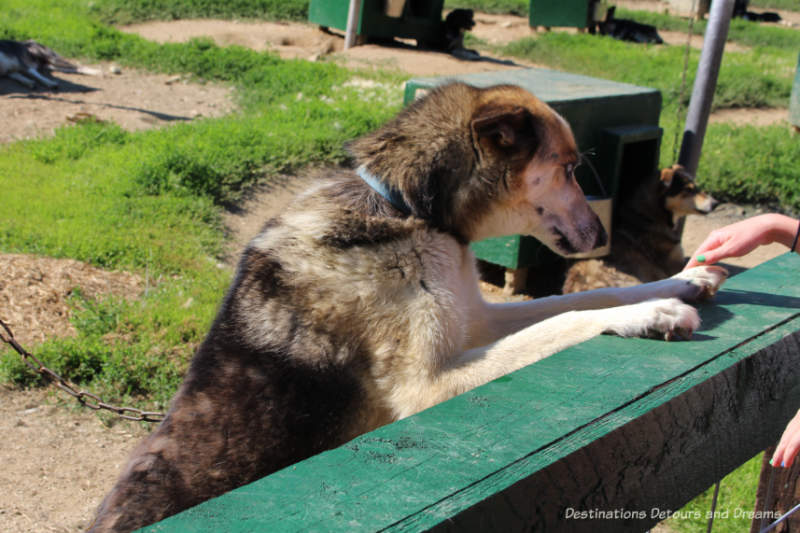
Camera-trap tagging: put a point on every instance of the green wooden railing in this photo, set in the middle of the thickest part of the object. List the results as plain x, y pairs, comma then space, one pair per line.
601, 436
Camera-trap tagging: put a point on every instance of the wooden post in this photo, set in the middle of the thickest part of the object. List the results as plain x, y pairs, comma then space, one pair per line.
515, 280
353, 16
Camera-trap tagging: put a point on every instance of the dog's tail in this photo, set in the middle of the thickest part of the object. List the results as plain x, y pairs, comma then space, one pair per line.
47, 57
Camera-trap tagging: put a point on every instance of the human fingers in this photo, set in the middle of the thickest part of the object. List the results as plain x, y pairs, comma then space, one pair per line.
789, 445
704, 254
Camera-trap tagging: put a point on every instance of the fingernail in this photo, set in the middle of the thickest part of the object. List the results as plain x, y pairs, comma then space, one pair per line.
770, 463
701, 259
783, 464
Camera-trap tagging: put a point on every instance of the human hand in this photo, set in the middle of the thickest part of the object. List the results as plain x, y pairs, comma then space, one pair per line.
742, 237
789, 445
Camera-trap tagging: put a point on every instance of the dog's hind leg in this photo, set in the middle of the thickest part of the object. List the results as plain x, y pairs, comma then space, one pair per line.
21, 78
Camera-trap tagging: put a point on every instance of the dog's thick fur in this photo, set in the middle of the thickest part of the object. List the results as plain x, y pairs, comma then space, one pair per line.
646, 239
27, 62
346, 314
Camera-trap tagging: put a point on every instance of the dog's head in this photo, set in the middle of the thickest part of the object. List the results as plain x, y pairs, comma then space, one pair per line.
460, 20
481, 163
681, 196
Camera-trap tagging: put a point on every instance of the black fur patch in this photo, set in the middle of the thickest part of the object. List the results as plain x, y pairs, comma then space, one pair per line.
350, 231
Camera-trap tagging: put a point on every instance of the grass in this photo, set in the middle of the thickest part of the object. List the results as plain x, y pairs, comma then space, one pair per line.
788, 5
743, 82
769, 178
735, 501
741, 31
521, 7
124, 12
514, 7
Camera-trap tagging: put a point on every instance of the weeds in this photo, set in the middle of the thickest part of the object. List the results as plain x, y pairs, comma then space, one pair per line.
124, 12
770, 176
742, 82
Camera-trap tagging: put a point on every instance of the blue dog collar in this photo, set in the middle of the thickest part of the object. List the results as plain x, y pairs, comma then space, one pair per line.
393, 196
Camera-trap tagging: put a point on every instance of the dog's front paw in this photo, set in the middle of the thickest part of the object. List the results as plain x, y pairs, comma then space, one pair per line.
699, 283
667, 318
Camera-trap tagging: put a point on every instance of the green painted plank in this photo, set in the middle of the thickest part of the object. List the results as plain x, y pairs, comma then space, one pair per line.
551, 86
559, 13
419, 471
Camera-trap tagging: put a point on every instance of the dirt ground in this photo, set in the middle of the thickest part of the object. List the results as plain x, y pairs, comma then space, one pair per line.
58, 460
133, 99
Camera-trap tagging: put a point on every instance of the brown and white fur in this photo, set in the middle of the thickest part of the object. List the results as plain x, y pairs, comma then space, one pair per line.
646, 239
27, 62
346, 314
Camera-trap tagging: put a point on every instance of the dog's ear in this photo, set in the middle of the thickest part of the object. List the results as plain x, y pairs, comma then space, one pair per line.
668, 175
507, 130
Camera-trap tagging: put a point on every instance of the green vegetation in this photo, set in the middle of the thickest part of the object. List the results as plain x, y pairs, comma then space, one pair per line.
752, 165
520, 7
741, 31
736, 498
124, 12
743, 82
788, 5
515, 7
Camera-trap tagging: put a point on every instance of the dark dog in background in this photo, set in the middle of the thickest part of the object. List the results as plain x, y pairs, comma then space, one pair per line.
740, 10
645, 242
628, 30
27, 62
451, 34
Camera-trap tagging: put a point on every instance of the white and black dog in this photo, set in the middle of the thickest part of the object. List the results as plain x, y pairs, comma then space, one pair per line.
27, 62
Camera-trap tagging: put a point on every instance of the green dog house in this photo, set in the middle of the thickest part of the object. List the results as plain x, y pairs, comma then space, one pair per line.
383, 19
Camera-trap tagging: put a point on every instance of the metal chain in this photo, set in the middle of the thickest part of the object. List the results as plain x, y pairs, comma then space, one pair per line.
87, 399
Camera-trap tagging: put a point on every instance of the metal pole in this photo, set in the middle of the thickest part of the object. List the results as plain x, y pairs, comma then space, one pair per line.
705, 83
353, 15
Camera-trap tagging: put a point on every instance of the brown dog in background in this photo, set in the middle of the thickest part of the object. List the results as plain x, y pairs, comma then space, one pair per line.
646, 239
359, 304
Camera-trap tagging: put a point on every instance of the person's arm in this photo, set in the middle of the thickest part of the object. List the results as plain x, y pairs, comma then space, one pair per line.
742, 237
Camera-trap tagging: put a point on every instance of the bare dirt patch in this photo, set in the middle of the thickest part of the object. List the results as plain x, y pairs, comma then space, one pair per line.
307, 41
58, 461
35, 292
133, 99
752, 117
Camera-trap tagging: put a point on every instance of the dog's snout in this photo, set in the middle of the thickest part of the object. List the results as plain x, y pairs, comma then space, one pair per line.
601, 239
